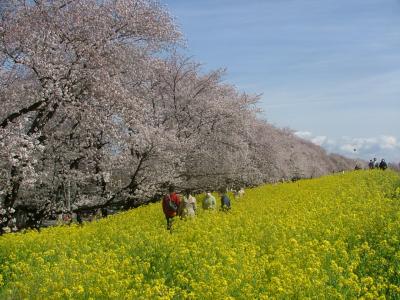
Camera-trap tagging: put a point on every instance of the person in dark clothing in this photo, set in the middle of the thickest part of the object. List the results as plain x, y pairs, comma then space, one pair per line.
170, 205
383, 164
225, 201
104, 212
371, 164
79, 217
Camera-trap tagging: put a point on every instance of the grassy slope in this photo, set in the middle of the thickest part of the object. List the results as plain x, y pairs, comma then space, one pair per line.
337, 236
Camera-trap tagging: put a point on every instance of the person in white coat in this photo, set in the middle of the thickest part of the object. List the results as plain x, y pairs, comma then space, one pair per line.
188, 205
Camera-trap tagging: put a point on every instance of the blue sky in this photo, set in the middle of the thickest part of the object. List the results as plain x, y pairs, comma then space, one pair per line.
329, 69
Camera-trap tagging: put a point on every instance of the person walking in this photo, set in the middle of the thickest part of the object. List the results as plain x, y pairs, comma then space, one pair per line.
238, 193
225, 201
383, 164
371, 164
170, 205
188, 205
376, 163
209, 202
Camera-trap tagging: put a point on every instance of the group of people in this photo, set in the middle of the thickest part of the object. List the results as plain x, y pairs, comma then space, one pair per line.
174, 206
374, 164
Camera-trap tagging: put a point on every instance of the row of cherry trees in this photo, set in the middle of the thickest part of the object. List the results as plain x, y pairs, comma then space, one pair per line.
99, 108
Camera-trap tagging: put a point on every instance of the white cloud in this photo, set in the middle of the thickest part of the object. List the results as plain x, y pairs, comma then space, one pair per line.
389, 142
384, 146
304, 134
319, 140
349, 148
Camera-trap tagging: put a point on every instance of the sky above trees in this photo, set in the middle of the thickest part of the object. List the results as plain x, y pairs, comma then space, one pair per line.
327, 69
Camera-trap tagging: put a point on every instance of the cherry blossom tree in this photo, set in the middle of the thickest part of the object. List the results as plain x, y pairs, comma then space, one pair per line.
210, 119
69, 70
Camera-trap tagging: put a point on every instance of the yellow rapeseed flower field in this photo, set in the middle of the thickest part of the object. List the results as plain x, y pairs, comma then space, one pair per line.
336, 237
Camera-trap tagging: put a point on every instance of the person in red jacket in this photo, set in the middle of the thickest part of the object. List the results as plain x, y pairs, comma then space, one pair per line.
170, 205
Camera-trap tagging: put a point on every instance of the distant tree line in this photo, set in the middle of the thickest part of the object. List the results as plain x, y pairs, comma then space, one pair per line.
99, 109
